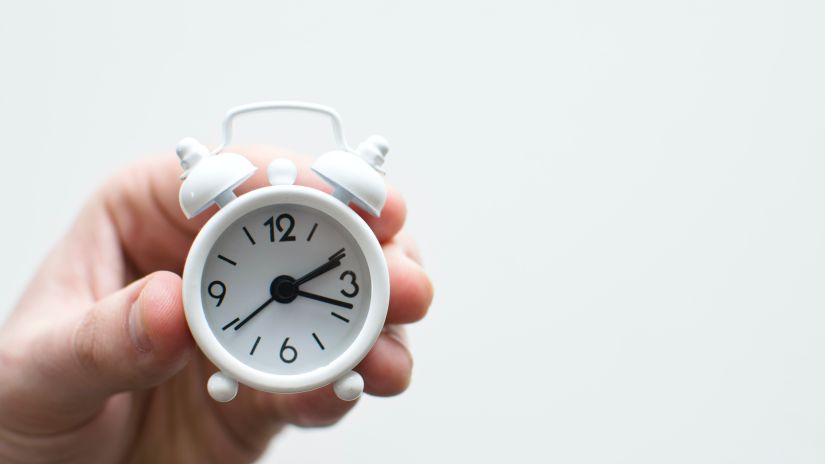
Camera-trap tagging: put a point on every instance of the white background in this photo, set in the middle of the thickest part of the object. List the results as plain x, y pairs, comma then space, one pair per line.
620, 203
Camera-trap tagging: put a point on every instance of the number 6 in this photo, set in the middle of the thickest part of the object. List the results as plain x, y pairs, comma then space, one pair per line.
285, 348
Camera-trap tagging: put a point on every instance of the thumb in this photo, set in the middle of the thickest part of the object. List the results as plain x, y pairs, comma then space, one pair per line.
133, 339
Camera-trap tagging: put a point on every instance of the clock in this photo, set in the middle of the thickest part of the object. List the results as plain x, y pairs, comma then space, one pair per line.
285, 288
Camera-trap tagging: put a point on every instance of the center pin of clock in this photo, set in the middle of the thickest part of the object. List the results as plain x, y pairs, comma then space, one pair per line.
283, 289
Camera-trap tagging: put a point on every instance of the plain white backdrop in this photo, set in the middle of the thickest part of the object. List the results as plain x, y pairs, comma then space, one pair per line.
621, 203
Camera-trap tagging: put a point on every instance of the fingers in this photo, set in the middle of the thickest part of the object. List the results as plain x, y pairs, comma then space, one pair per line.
411, 290
387, 369
142, 201
392, 216
316, 408
134, 339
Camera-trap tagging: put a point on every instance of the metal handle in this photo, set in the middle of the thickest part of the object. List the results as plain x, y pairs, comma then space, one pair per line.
337, 125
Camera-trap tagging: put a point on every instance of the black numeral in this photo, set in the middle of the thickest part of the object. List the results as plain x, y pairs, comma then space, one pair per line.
286, 237
271, 223
218, 295
355, 287
278, 224
286, 349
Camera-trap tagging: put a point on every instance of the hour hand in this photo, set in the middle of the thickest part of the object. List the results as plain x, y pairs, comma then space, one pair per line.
324, 299
333, 262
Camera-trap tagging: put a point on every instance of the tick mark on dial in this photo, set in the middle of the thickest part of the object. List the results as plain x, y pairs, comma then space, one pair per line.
224, 258
318, 340
340, 317
311, 232
231, 323
258, 340
248, 235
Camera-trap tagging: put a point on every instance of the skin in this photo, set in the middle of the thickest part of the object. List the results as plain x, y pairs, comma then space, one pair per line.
97, 363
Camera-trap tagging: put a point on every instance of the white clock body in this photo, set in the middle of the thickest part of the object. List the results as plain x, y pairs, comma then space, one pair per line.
304, 336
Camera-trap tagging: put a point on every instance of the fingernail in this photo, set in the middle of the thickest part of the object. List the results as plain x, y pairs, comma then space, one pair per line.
137, 330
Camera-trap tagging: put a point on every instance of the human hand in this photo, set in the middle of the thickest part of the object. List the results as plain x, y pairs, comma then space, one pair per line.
97, 363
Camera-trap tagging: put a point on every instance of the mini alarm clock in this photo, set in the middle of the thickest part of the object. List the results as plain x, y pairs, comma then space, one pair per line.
285, 288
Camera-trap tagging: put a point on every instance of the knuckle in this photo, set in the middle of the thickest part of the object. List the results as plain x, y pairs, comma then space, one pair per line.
86, 344
319, 418
429, 295
317, 409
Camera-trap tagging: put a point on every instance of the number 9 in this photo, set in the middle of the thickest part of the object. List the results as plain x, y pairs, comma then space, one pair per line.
217, 295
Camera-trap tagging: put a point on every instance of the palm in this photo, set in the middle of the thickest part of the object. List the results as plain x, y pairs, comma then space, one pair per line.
180, 423
163, 414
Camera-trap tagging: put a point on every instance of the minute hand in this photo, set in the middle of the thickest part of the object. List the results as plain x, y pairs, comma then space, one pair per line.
324, 299
334, 261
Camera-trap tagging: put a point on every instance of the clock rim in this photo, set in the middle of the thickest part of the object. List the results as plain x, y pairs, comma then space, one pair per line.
208, 341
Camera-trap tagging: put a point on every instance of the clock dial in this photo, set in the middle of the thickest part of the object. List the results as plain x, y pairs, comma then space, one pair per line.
285, 289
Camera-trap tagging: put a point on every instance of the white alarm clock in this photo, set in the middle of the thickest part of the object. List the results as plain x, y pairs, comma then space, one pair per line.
285, 288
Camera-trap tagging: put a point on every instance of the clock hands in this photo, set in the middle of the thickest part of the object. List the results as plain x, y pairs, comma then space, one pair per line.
324, 299
334, 261
254, 313
284, 289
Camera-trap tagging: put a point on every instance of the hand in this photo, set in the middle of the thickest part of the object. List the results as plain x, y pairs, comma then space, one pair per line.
97, 363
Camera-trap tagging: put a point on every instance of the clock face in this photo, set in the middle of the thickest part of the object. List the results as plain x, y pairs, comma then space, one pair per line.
285, 289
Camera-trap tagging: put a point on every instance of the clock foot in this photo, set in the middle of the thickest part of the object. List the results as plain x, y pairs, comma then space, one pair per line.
349, 387
222, 388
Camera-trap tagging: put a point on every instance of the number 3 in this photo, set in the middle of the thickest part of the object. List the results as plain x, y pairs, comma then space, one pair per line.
354, 290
